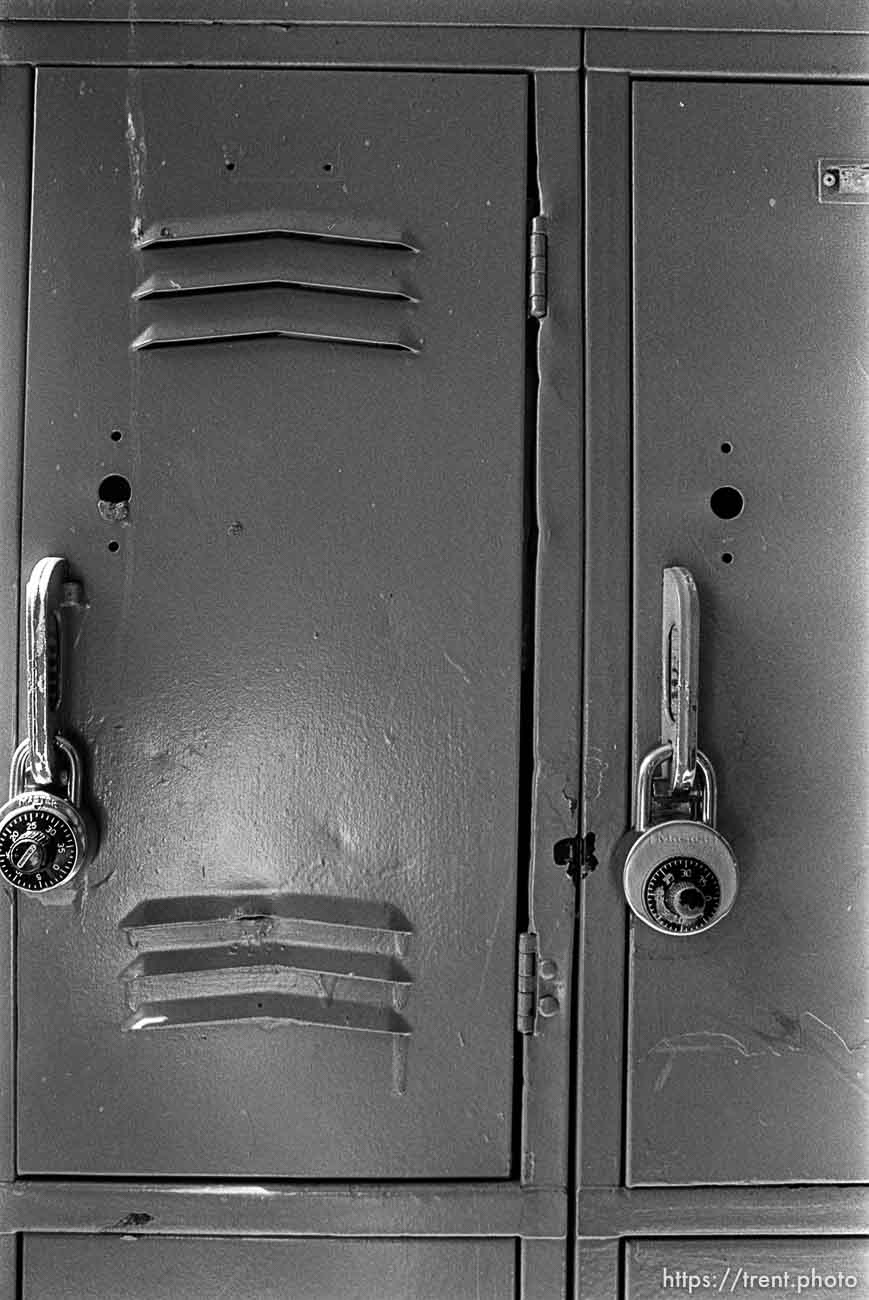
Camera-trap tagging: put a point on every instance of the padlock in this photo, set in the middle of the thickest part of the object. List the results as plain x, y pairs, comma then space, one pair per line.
680, 876
45, 838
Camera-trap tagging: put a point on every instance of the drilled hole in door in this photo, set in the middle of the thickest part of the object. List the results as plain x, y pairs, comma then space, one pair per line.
727, 502
115, 489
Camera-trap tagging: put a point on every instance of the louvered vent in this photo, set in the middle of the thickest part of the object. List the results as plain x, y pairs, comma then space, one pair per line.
334, 963
263, 276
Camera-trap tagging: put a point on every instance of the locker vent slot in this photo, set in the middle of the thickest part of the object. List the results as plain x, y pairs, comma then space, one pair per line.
326, 226
311, 277
313, 961
236, 1008
262, 263
277, 313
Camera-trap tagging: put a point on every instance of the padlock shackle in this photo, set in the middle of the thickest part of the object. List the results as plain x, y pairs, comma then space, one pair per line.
21, 762
655, 758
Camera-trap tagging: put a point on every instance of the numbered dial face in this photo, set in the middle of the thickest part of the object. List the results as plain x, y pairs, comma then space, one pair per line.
682, 894
38, 850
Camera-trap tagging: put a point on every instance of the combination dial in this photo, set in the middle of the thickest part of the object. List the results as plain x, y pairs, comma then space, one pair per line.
41, 843
38, 849
682, 894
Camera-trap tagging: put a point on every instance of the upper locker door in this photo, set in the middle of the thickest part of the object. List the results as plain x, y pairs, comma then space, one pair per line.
748, 1042
288, 309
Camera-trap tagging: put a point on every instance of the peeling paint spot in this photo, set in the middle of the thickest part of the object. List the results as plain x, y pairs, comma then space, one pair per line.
137, 151
595, 769
132, 1220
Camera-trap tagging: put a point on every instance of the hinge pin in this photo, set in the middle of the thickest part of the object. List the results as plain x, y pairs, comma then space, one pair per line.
526, 999
537, 267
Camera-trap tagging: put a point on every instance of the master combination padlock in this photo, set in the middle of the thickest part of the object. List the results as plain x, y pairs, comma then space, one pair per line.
45, 838
680, 876
46, 834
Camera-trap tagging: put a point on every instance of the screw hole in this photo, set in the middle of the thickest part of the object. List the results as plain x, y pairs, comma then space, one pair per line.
727, 558
114, 546
115, 489
229, 165
327, 167
727, 502
116, 435
726, 448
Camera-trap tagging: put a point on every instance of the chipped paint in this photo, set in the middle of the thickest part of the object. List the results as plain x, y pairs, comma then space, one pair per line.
595, 769
137, 151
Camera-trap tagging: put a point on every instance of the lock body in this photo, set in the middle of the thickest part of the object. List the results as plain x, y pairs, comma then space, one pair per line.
680, 876
45, 838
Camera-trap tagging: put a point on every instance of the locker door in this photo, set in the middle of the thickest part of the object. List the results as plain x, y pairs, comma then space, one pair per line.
835, 1267
151, 1268
748, 1043
282, 313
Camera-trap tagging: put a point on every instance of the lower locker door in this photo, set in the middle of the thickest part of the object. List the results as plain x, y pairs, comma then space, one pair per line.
282, 313
749, 1041
153, 1268
836, 1268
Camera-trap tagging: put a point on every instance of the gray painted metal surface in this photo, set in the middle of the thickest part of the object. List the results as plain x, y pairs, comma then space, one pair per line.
598, 1269
606, 795
748, 1044
16, 116
462, 1208
803, 1211
554, 479
767, 55
708, 15
607, 1211
142, 1268
249, 44
533, 1211
298, 677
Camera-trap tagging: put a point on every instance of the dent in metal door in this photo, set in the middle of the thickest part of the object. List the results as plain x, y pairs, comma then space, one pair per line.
748, 1043
287, 309
151, 1268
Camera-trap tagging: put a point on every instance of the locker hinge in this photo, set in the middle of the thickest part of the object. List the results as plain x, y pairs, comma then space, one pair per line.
526, 992
538, 285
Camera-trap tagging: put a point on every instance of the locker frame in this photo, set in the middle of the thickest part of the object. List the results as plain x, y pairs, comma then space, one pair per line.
692, 15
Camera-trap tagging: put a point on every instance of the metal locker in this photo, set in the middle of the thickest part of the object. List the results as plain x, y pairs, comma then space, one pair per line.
275, 423
151, 1268
748, 1045
369, 481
